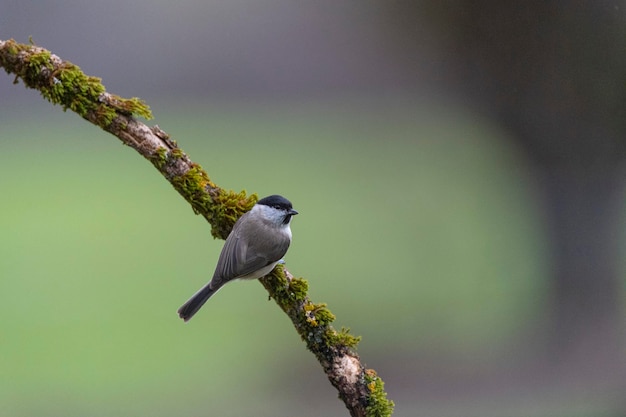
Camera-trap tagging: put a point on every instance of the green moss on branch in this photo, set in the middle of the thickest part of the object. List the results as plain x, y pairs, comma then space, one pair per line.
377, 405
61, 82
312, 321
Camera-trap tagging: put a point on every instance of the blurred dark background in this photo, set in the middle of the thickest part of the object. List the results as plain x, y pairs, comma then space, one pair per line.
459, 167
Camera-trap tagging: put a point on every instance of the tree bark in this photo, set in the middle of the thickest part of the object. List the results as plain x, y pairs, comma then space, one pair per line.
62, 82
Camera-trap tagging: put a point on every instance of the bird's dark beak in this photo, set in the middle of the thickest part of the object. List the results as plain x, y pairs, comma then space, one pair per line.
292, 212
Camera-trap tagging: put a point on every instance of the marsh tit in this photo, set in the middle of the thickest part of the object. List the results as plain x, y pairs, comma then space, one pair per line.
258, 241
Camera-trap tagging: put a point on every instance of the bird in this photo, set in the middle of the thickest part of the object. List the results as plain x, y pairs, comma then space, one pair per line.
258, 241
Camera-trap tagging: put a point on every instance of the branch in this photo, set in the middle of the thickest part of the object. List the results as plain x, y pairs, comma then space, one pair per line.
62, 82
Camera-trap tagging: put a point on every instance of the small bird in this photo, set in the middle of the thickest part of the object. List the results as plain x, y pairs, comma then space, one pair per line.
258, 241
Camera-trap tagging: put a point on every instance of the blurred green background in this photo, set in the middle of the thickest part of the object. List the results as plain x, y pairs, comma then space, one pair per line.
420, 227
420, 235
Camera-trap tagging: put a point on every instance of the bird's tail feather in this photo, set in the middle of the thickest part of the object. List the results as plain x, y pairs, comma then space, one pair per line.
192, 306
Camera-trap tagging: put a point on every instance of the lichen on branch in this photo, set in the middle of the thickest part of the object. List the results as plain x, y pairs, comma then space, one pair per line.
360, 389
63, 83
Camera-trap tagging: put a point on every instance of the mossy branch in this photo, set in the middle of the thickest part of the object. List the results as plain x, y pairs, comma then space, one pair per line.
63, 83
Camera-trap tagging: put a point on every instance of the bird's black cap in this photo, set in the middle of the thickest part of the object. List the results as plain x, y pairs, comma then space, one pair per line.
279, 202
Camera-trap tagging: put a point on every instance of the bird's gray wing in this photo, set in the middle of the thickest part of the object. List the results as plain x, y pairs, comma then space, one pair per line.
238, 258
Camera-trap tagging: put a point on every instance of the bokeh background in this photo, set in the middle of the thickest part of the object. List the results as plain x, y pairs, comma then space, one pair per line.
458, 167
